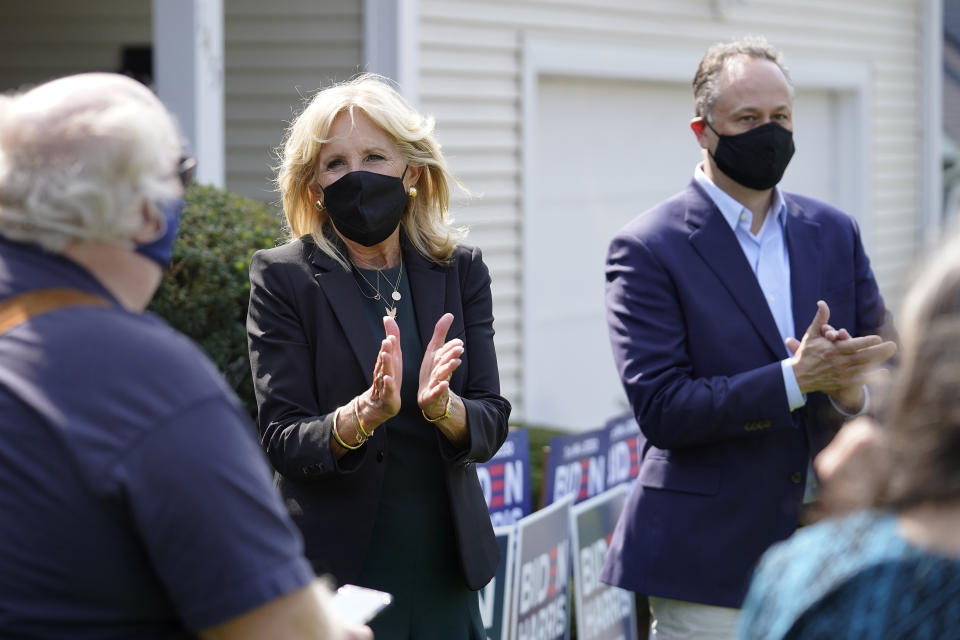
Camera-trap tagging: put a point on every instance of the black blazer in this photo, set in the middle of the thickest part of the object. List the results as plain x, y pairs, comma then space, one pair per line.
311, 352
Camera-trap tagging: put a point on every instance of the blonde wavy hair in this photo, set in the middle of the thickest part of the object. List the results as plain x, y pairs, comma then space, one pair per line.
426, 220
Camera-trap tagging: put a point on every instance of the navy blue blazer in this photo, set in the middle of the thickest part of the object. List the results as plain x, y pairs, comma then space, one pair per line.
699, 353
311, 352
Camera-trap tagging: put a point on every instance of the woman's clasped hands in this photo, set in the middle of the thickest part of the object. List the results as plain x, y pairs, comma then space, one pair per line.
381, 401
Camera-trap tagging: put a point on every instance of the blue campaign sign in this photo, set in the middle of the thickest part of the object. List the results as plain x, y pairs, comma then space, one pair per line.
624, 449
541, 582
505, 480
603, 612
576, 466
495, 598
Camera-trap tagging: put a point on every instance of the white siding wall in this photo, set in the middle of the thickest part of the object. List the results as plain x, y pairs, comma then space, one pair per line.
471, 64
43, 39
471, 79
276, 52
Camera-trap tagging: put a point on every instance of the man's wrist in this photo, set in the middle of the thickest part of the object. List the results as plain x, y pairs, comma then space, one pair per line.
795, 397
852, 403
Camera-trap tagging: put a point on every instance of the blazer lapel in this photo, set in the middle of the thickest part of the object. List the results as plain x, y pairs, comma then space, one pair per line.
803, 244
340, 289
716, 243
427, 286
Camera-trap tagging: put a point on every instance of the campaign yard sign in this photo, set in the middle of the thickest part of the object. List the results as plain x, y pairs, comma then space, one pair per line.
624, 449
576, 466
541, 583
603, 612
495, 598
505, 480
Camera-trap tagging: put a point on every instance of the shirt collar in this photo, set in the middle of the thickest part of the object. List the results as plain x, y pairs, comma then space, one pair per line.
729, 208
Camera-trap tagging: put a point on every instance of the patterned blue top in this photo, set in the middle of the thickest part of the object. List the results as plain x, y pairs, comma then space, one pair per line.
852, 578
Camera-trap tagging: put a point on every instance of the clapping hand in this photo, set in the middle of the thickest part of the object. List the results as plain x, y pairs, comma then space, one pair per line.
831, 361
383, 396
440, 360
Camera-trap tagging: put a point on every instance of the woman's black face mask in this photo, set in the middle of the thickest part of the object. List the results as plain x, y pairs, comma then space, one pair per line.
366, 207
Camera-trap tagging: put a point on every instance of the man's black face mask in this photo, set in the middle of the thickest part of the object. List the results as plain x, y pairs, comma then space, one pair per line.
756, 158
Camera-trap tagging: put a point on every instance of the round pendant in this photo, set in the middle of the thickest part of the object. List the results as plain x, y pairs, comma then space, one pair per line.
396, 296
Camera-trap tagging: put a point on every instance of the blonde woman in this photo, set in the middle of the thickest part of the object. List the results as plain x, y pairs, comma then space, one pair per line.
371, 345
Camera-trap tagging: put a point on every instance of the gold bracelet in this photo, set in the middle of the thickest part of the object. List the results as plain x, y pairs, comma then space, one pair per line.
336, 436
356, 414
446, 413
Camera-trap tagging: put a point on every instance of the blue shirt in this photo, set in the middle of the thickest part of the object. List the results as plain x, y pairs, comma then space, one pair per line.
767, 254
853, 578
769, 258
135, 500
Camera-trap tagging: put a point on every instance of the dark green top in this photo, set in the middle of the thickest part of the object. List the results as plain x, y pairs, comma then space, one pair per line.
413, 552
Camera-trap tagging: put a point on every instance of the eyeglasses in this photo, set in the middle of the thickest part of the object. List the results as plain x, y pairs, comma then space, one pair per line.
187, 170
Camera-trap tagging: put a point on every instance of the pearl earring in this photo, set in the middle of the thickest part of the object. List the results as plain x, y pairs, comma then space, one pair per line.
413, 192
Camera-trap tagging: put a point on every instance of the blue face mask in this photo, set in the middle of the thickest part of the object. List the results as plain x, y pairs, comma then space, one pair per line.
161, 249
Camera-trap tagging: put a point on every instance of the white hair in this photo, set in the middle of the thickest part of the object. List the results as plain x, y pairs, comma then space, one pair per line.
79, 158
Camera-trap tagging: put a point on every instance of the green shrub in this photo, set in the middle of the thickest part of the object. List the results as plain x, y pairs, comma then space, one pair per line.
204, 294
539, 438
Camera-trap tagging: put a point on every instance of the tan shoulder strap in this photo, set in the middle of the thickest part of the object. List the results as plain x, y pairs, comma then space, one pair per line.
19, 309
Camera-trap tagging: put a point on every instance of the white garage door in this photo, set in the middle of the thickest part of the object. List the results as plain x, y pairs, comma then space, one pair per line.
604, 151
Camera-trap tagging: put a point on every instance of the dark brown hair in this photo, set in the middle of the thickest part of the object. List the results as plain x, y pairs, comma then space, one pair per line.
705, 81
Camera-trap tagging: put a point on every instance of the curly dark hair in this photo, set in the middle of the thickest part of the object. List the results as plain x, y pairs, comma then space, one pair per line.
705, 89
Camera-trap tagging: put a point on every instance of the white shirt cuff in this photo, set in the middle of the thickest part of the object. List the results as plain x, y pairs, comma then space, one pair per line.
863, 409
795, 399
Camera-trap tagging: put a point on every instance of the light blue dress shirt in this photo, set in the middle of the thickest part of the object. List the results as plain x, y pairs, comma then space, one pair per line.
769, 259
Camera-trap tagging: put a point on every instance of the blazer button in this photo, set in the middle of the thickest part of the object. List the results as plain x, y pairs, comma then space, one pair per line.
380, 455
796, 477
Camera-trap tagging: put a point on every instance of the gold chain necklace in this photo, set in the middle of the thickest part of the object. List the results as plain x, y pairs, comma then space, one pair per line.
390, 309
